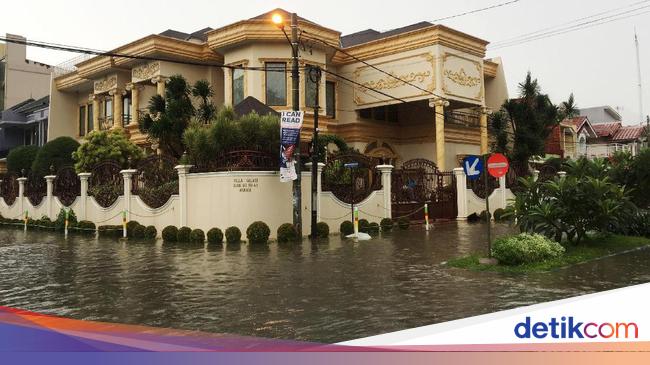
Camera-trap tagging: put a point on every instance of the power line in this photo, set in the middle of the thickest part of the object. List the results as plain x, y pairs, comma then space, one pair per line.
475, 11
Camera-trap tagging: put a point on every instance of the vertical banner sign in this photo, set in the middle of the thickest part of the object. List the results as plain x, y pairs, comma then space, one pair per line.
290, 124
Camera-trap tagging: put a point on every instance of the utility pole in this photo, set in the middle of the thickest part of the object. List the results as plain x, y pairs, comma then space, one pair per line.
295, 103
638, 73
315, 76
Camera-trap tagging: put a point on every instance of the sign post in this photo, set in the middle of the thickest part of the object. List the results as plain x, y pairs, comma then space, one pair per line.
290, 124
497, 165
351, 166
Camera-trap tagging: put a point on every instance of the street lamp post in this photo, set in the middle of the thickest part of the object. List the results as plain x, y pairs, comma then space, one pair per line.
315, 76
295, 103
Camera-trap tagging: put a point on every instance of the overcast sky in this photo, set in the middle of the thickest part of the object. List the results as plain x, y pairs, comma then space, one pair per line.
597, 64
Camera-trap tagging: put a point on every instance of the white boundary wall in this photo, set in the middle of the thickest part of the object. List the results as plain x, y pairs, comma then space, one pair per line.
207, 200
469, 203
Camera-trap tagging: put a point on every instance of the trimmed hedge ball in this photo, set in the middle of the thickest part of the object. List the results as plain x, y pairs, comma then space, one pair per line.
287, 233
215, 236
233, 235
170, 234
346, 228
150, 233
323, 229
197, 236
184, 234
258, 232
386, 224
404, 223
363, 225
130, 228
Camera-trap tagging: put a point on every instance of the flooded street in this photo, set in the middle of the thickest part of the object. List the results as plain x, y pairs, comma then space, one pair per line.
335, 291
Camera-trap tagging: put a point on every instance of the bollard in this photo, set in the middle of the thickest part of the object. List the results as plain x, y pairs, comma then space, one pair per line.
67, 215
426, 216
356, 221
124, 223
26, 219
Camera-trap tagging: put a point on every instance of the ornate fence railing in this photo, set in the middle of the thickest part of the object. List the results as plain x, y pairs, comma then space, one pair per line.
156, 180
478, 185
35, 188
351, 185
9, 188
66, 185
106, 183
239, 160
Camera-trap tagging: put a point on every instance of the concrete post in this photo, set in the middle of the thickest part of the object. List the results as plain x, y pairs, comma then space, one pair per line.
21, 195
319, 186
83, 211
502, 188
49, 180
461, 193
127, 175
183, 170
386, 183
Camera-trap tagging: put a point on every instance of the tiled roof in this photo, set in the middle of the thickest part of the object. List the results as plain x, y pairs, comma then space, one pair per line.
628, 133
369, 35
199, 34
251, 104
606, 129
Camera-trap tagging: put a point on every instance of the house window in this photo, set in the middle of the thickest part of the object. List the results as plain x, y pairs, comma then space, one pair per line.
89, 119
276, 83
82, 121
310, 88
330, 99
108, 108
381, 113
237, 86
126, 111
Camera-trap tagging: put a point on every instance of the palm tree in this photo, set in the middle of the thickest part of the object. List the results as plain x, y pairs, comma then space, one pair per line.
569, 108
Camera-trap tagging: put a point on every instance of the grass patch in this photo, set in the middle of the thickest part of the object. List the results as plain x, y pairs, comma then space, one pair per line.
591, 249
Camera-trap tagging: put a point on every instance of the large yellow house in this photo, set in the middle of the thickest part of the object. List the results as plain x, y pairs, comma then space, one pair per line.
427, 89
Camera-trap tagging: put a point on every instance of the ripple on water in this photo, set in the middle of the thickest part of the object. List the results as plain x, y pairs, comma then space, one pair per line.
335, 291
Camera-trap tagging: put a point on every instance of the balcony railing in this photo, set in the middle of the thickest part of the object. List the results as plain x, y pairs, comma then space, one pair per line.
105, 123
467, 119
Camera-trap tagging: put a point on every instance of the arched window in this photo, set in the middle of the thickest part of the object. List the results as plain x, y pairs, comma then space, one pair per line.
582, 143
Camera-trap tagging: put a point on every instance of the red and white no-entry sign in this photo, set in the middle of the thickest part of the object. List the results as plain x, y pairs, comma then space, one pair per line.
497, 165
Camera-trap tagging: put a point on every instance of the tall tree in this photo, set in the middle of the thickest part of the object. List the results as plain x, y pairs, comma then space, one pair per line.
568, 108
532, 117
206, 111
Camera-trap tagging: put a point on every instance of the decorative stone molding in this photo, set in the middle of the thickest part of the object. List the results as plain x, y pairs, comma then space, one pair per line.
102, 86
145, 72
438, 102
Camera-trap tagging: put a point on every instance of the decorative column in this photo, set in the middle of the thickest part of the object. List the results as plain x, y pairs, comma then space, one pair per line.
386, 184
461, 193
135, 103
118, 108
83, 178
49, 180
484, 129
439, 105
21, 194
159, 81
96, 112
183, 170
127, 175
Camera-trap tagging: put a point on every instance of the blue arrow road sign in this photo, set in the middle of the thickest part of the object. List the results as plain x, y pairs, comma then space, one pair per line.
473, 166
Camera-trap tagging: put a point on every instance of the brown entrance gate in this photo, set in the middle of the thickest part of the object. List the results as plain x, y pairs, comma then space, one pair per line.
419, 181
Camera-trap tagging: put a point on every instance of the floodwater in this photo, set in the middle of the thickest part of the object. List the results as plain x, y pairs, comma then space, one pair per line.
334, 291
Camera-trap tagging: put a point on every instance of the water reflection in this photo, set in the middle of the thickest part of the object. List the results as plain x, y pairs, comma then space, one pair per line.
331, 290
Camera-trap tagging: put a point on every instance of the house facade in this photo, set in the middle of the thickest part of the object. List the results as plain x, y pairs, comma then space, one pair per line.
601, 114
614, 137
421, 91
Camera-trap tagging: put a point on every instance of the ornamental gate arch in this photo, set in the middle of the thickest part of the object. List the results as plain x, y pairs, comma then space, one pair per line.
419, 182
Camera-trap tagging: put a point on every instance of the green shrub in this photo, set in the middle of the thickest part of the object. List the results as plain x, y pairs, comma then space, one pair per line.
258, 232
525, 249
403, 223
363, 225
484, 216
346, 228
184, 234
373, 229
56, 153
113, 231
46, 222
215, 236
323, 229
386, 224
85, 227
21, 158
130, 228
111, 145
150, 233
498, 215
138, 232
197, 236
59, 224
287, 233
170, 234
233, 235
